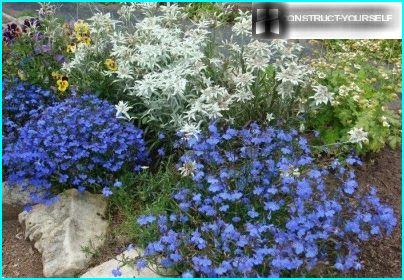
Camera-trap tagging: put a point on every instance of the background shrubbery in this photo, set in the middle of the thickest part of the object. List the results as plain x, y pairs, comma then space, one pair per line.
365, 78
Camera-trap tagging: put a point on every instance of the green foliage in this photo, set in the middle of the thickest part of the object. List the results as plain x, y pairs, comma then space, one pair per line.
35, 55
144, 193
200, 11
387, 50
22, 60
365, 84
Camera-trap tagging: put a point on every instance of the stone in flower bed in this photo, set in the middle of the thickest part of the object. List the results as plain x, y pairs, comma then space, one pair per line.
106, 269
61, 230
14, 199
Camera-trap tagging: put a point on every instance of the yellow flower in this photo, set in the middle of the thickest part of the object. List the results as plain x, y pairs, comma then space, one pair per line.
86, 40
62, 85
71, 48
82, 31
56, 75
111, 64
80, 27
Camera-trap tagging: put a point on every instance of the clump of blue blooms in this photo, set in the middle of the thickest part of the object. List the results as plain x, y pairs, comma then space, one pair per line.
259, 206
22, 101
78, 142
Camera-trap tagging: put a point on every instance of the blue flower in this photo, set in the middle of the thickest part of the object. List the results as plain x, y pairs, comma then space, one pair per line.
161, 152
141, 263
22, 102
253, 214
106, 191
117, 184
116, 272
350, 186
145, 219
187, 274
260, 206
78, 142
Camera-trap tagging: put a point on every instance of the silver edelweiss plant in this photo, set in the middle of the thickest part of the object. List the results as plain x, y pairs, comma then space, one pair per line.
176, 74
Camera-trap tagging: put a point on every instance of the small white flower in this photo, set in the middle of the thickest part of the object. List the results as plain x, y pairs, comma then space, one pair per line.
358, 135
190, 129
241, 79
385, 122
122, 109
321, 75
242, 25
302, 127
285, 89
291, 171
322, 95
270, 117
292, 73
188, 168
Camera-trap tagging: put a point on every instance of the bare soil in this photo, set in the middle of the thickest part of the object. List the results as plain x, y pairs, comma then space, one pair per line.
381, 258
20, 259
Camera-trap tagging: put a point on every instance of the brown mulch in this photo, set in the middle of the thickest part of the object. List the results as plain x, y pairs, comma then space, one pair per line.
381, 258
20, 259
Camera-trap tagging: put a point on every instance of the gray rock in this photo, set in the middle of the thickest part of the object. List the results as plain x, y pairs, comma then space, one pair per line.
104, 270
60, 231
14, 198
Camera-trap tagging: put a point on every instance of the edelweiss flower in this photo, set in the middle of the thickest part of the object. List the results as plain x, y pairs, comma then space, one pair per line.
259, 63
242, 26
358, 135
190, 129
292, 73
122, 110
188, 168
322, 95
124, 71
242, 80
285, 89
321, 75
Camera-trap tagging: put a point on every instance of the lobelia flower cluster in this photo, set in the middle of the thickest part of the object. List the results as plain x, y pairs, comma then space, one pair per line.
77, 142
22, 102
259, 207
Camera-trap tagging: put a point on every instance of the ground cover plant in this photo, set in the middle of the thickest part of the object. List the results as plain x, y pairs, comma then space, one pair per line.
222, 155
78, 142
23, 101
259, 206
